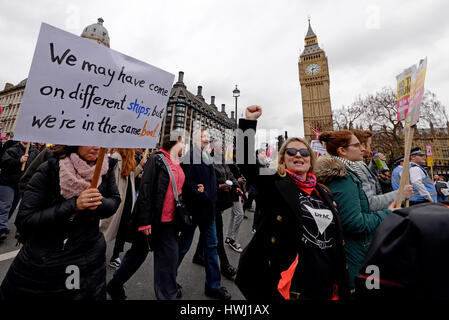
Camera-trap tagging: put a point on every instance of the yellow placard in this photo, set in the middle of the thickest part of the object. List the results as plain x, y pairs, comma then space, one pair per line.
429, 161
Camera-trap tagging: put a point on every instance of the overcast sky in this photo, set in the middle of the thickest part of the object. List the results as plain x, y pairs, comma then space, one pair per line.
253, 43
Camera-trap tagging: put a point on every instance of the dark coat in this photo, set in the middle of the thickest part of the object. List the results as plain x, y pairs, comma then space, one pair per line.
237, 174
56, 236
11, 167
277, 241
410, 250
6, 146
224, 198
200, 204
359, 222
150, 202
43, 156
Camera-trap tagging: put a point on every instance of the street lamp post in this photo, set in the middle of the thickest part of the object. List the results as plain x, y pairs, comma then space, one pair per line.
236, 94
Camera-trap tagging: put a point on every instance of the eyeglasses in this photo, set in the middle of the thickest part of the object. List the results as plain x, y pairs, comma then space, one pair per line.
352, 144
302, 152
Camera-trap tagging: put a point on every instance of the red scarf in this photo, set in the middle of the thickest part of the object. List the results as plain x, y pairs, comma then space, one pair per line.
307, 185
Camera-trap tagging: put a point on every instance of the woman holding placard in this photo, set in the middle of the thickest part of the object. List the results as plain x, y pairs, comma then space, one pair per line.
64, 253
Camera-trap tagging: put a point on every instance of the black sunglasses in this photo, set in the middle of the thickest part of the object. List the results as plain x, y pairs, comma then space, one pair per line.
293, 151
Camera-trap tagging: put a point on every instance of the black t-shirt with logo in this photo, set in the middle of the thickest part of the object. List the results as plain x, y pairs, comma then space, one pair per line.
314, 276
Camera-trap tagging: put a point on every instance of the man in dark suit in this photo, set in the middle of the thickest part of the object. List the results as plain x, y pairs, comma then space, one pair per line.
199, 172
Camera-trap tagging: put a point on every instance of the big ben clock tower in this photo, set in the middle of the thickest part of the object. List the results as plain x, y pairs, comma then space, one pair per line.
314, 80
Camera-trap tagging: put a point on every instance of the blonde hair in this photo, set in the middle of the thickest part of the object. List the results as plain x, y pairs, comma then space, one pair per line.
281, 154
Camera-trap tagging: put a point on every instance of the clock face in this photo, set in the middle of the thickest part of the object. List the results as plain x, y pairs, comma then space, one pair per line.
313, 69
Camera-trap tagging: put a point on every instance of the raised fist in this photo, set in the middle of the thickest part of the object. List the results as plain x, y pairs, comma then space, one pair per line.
253, 112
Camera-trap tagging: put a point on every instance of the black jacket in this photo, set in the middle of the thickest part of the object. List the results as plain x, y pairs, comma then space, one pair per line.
56, 236
150, 202
277, 241
410, 249
200, 204
440, 185
43, 156
11, 167
237, 174
224, 198
8, 144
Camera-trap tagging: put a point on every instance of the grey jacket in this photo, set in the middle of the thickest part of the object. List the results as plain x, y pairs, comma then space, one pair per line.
371, 187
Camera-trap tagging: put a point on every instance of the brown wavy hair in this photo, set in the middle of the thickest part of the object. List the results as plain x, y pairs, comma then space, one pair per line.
335, 139
281, 155
128, 161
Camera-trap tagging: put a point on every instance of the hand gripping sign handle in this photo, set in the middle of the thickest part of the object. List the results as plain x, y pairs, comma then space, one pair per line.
26, 153
98, 165
405, 177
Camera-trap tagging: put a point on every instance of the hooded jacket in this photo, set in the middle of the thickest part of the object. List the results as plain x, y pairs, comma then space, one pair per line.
359, 222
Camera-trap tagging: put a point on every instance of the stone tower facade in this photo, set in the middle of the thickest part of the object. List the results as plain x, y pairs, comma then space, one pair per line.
314, 80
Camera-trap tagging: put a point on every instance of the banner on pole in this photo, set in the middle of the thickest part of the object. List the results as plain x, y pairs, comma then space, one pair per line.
429, 155
81, 93
316, 146
403, 91
416, 93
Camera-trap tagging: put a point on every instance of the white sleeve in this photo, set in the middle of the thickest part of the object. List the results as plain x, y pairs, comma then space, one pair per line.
416, 177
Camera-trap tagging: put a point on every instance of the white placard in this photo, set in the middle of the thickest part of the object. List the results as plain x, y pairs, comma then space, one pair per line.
79, 92
318, 147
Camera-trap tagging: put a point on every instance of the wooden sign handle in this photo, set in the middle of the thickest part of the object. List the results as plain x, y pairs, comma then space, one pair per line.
405, 176
98, 165
26, 153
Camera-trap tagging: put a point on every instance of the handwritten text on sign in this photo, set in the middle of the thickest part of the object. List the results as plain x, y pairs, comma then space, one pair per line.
403, 91
81, 93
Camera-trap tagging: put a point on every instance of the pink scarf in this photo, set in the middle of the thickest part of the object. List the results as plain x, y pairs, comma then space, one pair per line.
75, 175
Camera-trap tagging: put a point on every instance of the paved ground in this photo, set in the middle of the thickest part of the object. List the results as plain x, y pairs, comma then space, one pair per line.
140, 287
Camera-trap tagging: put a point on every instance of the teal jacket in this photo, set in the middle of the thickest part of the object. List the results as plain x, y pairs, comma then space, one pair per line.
359, 222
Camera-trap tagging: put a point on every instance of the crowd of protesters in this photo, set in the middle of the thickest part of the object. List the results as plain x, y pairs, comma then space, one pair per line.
314, 219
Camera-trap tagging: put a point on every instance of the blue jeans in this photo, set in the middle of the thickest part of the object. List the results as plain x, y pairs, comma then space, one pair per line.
9, 198
209, 234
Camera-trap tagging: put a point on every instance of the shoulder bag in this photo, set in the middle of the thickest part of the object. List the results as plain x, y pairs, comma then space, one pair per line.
183, 218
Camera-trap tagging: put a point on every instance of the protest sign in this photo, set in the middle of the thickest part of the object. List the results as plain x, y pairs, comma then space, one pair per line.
81, 93
316, 146
429, 159
412, 117
429, 150
403, 91
416, 93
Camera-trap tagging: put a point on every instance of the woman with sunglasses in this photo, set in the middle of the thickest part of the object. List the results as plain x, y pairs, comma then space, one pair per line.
297, 250
338, 171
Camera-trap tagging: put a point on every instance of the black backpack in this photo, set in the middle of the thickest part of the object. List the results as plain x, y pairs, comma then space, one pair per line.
410, 250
